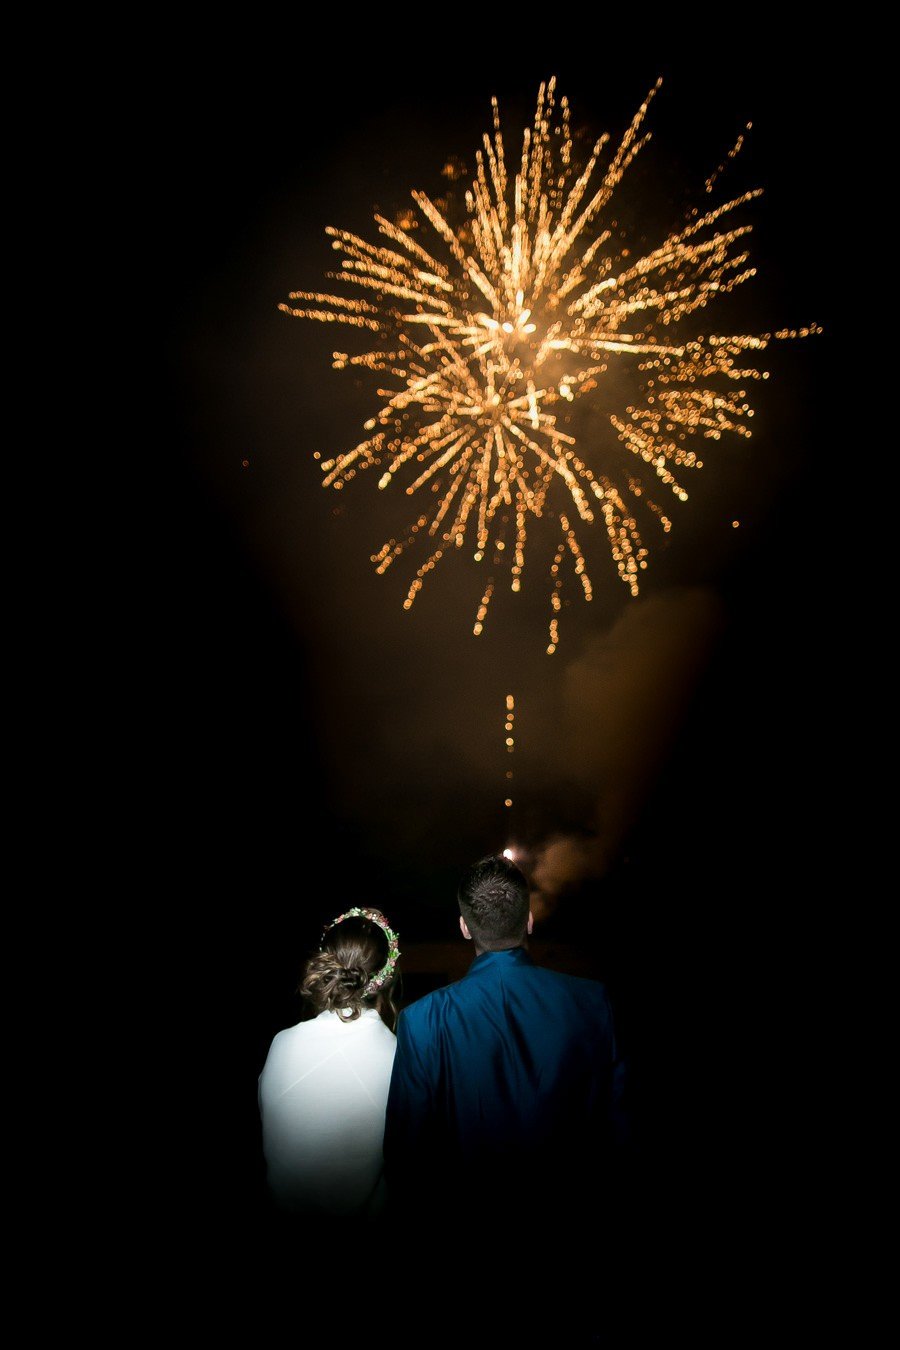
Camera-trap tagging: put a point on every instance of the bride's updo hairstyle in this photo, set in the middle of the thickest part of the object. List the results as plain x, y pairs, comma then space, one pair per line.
355, 967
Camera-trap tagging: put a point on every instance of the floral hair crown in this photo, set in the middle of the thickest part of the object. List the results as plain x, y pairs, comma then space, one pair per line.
381, 977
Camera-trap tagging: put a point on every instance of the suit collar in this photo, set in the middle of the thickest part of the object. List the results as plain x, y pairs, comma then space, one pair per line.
512, 956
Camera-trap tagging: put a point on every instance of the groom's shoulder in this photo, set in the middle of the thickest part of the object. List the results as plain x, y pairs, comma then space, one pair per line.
427, 1007
578, 991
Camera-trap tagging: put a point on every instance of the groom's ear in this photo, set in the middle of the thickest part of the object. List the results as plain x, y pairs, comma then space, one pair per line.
530, 921
464, 930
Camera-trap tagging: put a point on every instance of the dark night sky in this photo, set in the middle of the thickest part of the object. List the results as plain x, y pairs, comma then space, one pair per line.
311, 746
312, 705
314, 690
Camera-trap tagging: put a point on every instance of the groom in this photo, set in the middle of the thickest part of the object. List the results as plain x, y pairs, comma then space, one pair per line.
505, 1104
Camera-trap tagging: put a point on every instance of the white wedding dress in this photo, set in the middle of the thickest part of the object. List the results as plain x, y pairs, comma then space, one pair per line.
322, 1097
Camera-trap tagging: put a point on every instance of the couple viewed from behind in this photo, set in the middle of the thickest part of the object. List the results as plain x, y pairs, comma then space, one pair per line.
482, 1124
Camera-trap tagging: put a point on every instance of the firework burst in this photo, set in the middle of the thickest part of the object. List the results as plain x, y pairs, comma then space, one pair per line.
482, 341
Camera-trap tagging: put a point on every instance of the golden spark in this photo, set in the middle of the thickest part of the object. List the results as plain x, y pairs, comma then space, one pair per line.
482, 341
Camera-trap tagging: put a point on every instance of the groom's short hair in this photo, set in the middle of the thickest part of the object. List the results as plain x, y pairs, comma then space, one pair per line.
493, 900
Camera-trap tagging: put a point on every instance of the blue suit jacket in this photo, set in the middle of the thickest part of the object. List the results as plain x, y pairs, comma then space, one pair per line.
508, 1075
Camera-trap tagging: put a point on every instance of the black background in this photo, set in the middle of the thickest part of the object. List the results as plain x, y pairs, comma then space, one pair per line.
723, 964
